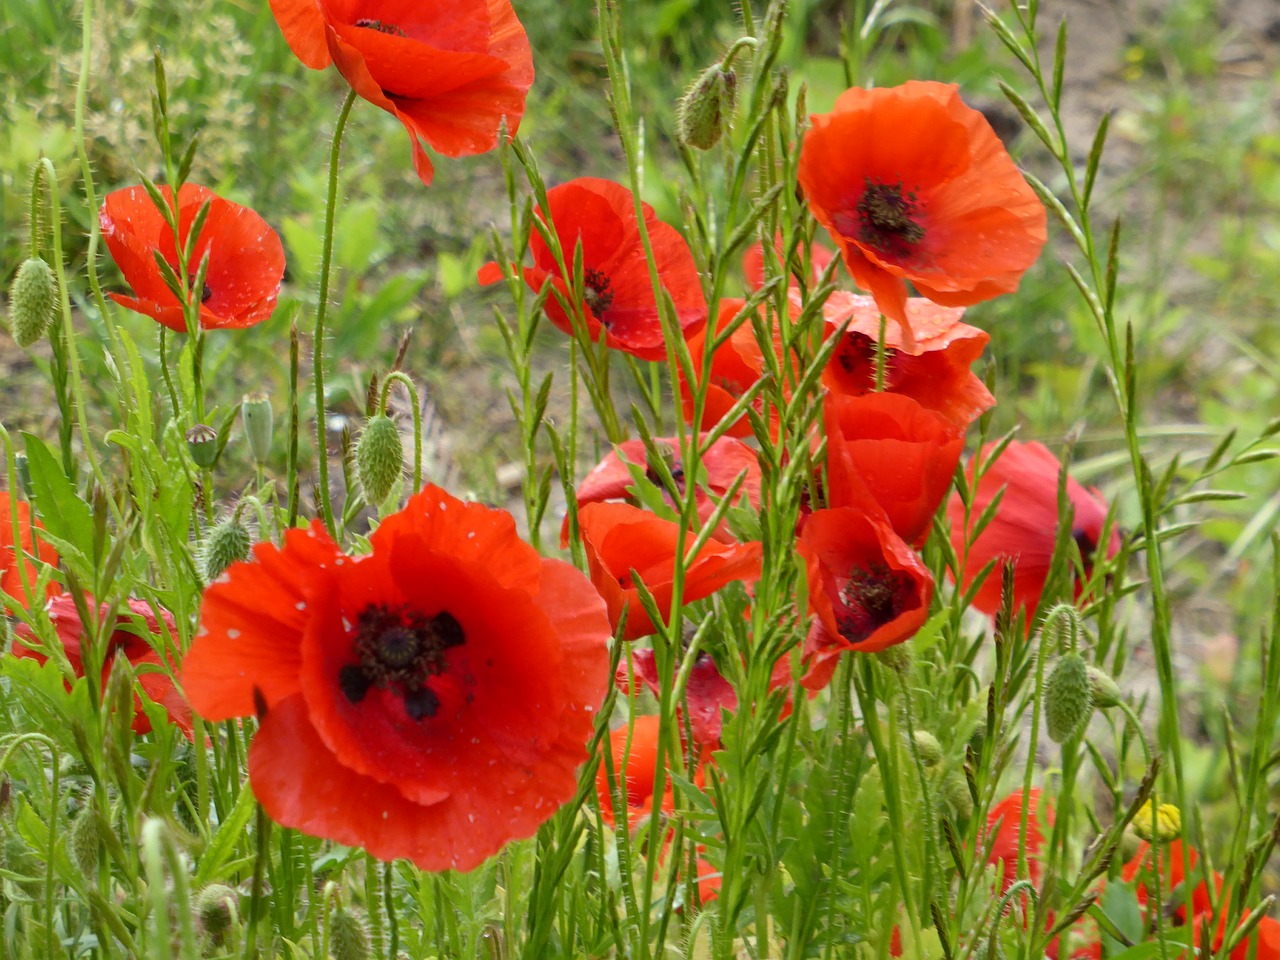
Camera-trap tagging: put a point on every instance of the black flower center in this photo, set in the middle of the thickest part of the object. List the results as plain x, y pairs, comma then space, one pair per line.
597, 294
205, 294
672, 459
381, 26
869, 599
400, 650
857, 358
886, 216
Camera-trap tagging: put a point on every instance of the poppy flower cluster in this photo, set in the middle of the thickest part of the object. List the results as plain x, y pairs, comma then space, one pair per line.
431, 699
453, 72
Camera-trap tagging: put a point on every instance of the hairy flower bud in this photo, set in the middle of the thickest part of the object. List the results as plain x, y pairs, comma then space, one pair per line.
259, 420
202, 443
84, 840
955, 790
228, 542
379, 458
214, 911
1067, 700
349, 936
928, 748
1103, 689
704, 110
31, 301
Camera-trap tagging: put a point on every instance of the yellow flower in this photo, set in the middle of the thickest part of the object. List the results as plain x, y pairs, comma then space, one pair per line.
1158, 824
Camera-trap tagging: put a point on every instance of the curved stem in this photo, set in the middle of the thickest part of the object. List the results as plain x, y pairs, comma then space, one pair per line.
402, 377
322, 307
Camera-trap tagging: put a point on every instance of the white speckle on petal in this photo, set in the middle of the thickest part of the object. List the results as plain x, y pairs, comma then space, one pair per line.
233, 634
300, 605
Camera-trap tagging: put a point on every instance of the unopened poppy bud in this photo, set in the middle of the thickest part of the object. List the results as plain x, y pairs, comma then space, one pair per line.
202, 444
259, 420
1067, 700
897, 658
705, 108
31, 301
228, 542
1158, 823
1104, 690
214, 911
927, 747
379, 458
349, 936
955, 790
84, 840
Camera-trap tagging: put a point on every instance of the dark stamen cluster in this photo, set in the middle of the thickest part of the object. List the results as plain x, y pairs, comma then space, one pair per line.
381, 27
400, 650
887, 219
857, 358
597, 293
672, 460
871, 598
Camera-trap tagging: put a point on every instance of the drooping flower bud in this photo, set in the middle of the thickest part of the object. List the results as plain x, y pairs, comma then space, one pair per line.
1068, 703
214, 911
928, 748
202, 443
955, 790
705, 109
258, 419
84, 840
379, 458
1104, 690
228, 542
349, 936
32, 299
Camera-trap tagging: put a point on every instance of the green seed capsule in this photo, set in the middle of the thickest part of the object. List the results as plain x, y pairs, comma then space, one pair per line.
1068, 702
32, 299
259, 420
202, 443
379, 458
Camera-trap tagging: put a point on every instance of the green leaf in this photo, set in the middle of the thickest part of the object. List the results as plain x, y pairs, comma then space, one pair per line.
223, 845
65, 514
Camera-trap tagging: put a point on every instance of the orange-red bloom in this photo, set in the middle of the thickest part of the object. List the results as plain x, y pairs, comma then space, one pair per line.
625, 544
1004, 827
246, 260
724, 461
635, 760
707, 692
933, 369
10, 572
888, 448
451, 71
430, 700
131, 638
867, 587
1022, 531
914, 185
618, 296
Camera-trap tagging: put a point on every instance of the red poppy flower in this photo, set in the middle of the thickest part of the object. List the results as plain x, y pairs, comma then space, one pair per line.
753, 262
889, 448
10, 573
635, 758
451, 71
707, 692
934, 369
127, 640
867, 587
914, 185
618, 296
246, 260
1022, 531
724, 461
430, 700
625, 544
735, 367
1004, 826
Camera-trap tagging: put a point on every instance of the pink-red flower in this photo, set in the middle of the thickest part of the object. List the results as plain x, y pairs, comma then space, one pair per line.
138, 636
618, 298
246, 260
1024, 526
451, 71
429, 700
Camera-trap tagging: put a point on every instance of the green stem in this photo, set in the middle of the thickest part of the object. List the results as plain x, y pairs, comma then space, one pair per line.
322, 308
399, 376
